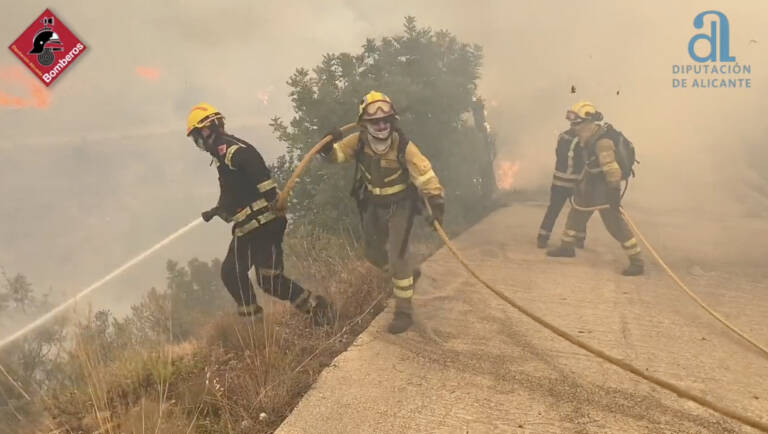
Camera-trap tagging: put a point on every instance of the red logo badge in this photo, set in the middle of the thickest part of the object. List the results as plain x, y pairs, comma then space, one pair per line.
222, 149
47, 47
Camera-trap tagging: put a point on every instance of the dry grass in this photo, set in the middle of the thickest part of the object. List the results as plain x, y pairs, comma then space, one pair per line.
233, 375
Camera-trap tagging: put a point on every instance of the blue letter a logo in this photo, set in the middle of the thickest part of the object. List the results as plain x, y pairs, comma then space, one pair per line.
698, 23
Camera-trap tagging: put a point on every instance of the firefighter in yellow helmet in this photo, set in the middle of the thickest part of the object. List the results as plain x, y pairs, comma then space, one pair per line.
599, 187
247, 194
390, 175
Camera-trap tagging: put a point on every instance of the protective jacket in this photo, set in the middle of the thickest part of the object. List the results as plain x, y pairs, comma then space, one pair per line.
602, 174
247, 187
569, 164
391, 176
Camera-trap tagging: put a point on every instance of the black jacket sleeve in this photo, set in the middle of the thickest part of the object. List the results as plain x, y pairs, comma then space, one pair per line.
250, 161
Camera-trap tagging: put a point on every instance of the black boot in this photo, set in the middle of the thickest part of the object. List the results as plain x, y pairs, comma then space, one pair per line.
252, 310
403, 318
320, 309
542, 241
636, 266
565, 250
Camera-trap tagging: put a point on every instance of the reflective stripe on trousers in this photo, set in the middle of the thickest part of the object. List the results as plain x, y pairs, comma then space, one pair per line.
576, 225
384, 230
403, 288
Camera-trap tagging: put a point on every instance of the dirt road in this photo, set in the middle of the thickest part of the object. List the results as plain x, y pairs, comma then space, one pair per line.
473, 364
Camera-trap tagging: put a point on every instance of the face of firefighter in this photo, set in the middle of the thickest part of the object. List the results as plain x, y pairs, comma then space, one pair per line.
201, 137
574, 119
379, 128
583, 128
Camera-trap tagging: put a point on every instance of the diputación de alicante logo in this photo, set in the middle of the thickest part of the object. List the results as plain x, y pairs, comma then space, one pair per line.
716, 66
47, 47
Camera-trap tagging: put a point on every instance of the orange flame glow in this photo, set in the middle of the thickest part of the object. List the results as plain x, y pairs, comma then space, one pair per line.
148, 73
263, 94
37, 95
505, 174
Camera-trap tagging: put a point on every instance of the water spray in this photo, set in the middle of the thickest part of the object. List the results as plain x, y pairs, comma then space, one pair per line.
281, 202
45, 318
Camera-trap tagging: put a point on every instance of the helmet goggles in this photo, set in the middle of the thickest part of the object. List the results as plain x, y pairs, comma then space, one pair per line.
574, 117
378, 109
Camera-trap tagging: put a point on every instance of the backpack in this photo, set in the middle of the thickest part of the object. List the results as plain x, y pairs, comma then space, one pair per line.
625, 151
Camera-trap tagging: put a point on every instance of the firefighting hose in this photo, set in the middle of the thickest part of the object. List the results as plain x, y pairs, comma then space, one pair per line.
73, 301
283, 198
623, 365
682, 285
690, 293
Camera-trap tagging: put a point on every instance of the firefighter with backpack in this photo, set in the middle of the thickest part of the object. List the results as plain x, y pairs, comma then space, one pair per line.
608, 157
390, 176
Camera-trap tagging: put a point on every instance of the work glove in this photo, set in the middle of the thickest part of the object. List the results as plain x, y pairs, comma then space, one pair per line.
437, 207
213, 212
336, 135
614, 198
209, 214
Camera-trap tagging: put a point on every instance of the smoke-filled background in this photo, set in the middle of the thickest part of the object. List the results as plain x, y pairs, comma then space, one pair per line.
96, 168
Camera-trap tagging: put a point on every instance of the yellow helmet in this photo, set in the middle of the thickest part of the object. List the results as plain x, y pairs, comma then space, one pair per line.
201, 115
375, 105
583, 110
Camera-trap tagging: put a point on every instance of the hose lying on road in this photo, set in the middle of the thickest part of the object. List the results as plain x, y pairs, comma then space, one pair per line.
688, 291
747, 420
677, 390
280, 205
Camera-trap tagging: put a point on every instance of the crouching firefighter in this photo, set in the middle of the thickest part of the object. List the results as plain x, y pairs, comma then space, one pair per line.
599, 188
390, 174
569, 165
246, 200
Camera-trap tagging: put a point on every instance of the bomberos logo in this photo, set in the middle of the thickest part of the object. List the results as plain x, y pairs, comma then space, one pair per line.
47, 47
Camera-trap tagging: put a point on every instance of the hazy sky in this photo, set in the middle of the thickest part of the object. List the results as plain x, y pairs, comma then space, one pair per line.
105, 170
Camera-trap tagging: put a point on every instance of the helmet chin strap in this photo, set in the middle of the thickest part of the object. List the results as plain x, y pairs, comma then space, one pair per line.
209, 142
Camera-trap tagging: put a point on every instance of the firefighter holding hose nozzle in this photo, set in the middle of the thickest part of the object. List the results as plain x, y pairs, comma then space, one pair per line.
247, 200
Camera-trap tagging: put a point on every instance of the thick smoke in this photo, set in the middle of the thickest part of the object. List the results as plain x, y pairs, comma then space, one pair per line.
105, 171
